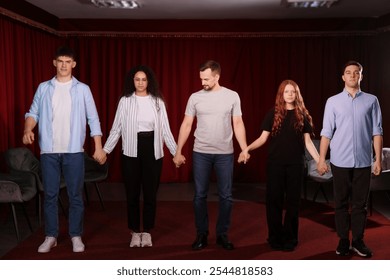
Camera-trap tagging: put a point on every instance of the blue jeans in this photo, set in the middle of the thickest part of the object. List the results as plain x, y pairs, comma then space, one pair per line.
71, 165
202, 167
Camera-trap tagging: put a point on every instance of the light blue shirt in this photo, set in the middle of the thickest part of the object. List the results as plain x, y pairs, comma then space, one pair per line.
83, 110
351, 123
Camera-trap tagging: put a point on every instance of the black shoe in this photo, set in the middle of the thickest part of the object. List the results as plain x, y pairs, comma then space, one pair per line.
200, 241
290, 245
359, 247
275, 244
223, 241
343, 247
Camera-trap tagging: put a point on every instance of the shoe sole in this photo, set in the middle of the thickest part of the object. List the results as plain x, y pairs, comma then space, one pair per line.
361, 254
78, 251
342, 253
199, 248
47, 251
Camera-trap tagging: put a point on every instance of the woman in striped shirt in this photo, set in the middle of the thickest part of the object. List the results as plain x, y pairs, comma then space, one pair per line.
141, 121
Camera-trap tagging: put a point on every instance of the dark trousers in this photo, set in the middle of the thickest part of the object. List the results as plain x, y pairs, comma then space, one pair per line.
141, 172
351, 186
284, 182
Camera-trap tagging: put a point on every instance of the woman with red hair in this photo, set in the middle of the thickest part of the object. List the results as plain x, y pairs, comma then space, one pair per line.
289, 128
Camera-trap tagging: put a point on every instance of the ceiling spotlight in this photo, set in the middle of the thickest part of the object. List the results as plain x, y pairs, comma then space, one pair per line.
119, 4
308, 3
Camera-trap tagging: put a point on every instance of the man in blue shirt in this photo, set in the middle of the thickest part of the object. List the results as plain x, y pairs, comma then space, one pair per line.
352, 125
63, 106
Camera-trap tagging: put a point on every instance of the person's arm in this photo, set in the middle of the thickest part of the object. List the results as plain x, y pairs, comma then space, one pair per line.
311, 148
184, 133
322, 167
244, 155
99, 154
239, 131
28, 134
378, 145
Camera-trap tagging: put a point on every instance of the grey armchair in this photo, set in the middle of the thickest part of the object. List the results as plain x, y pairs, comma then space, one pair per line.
94, 173
16, 189
22, 161
312, 175
381, 182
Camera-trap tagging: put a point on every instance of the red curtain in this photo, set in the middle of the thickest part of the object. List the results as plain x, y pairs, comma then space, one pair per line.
253, 65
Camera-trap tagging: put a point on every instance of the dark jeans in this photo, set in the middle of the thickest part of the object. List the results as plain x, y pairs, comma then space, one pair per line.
142, 172
71, 165
284, 183
202, 167
351, 186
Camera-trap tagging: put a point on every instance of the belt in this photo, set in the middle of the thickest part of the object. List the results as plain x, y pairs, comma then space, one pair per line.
144, 134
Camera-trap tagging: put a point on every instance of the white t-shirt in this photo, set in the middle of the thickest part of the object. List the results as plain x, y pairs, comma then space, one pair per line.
146, 118
214, 111
62, 107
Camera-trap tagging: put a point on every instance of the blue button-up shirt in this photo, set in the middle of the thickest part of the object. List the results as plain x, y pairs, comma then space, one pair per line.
351, 123
83, 110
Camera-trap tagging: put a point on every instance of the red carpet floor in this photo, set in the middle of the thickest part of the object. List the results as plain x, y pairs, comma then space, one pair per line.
107, 237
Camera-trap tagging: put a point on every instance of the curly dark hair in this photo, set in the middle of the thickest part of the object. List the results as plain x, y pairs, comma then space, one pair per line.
153, 87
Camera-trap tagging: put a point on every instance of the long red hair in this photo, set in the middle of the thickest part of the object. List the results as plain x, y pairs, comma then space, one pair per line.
280, 109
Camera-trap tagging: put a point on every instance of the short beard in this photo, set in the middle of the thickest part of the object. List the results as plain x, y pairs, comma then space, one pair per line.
208, 88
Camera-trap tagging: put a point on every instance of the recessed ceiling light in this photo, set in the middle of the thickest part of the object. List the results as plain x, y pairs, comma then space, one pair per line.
308, 3
119, 4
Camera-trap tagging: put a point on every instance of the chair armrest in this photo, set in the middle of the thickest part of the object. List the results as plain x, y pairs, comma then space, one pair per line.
10, 192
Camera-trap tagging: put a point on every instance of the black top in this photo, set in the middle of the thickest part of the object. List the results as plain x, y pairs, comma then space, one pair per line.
288, 146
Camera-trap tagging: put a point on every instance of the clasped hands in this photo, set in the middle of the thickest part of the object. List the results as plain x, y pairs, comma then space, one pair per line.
244, 156
178, 160
322, 167
100, 156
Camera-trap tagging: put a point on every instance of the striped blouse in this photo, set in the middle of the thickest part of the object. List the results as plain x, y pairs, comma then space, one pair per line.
126, 124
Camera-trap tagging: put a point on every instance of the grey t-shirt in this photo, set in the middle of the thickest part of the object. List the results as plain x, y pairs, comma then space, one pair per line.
214, 111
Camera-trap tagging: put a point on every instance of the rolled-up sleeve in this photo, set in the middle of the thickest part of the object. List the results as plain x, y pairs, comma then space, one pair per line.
328, 124
376, 119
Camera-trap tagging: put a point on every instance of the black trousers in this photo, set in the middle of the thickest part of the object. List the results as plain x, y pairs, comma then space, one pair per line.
284, 183
351, 187
142, 173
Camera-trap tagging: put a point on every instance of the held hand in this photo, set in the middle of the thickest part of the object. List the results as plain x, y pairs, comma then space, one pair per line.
178, 160
244, 157
322, 167
377, 168
100, 156
28, 137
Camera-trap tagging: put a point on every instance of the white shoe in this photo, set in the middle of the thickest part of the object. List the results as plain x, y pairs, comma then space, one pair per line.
78, 245
135, 239
49, 243
146, 240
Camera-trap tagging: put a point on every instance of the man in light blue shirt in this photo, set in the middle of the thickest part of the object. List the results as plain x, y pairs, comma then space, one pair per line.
352, 125
62, 106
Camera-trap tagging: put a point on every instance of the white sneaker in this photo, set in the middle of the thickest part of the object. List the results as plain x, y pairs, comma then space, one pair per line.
135, 239
146, 240
78, 245
49, 243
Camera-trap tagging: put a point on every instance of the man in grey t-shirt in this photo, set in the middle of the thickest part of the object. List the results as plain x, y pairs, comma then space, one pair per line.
216, 109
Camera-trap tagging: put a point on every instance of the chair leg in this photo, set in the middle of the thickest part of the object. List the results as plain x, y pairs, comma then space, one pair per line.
27, 218
99, 194
320, 188
15, 221
39, 208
